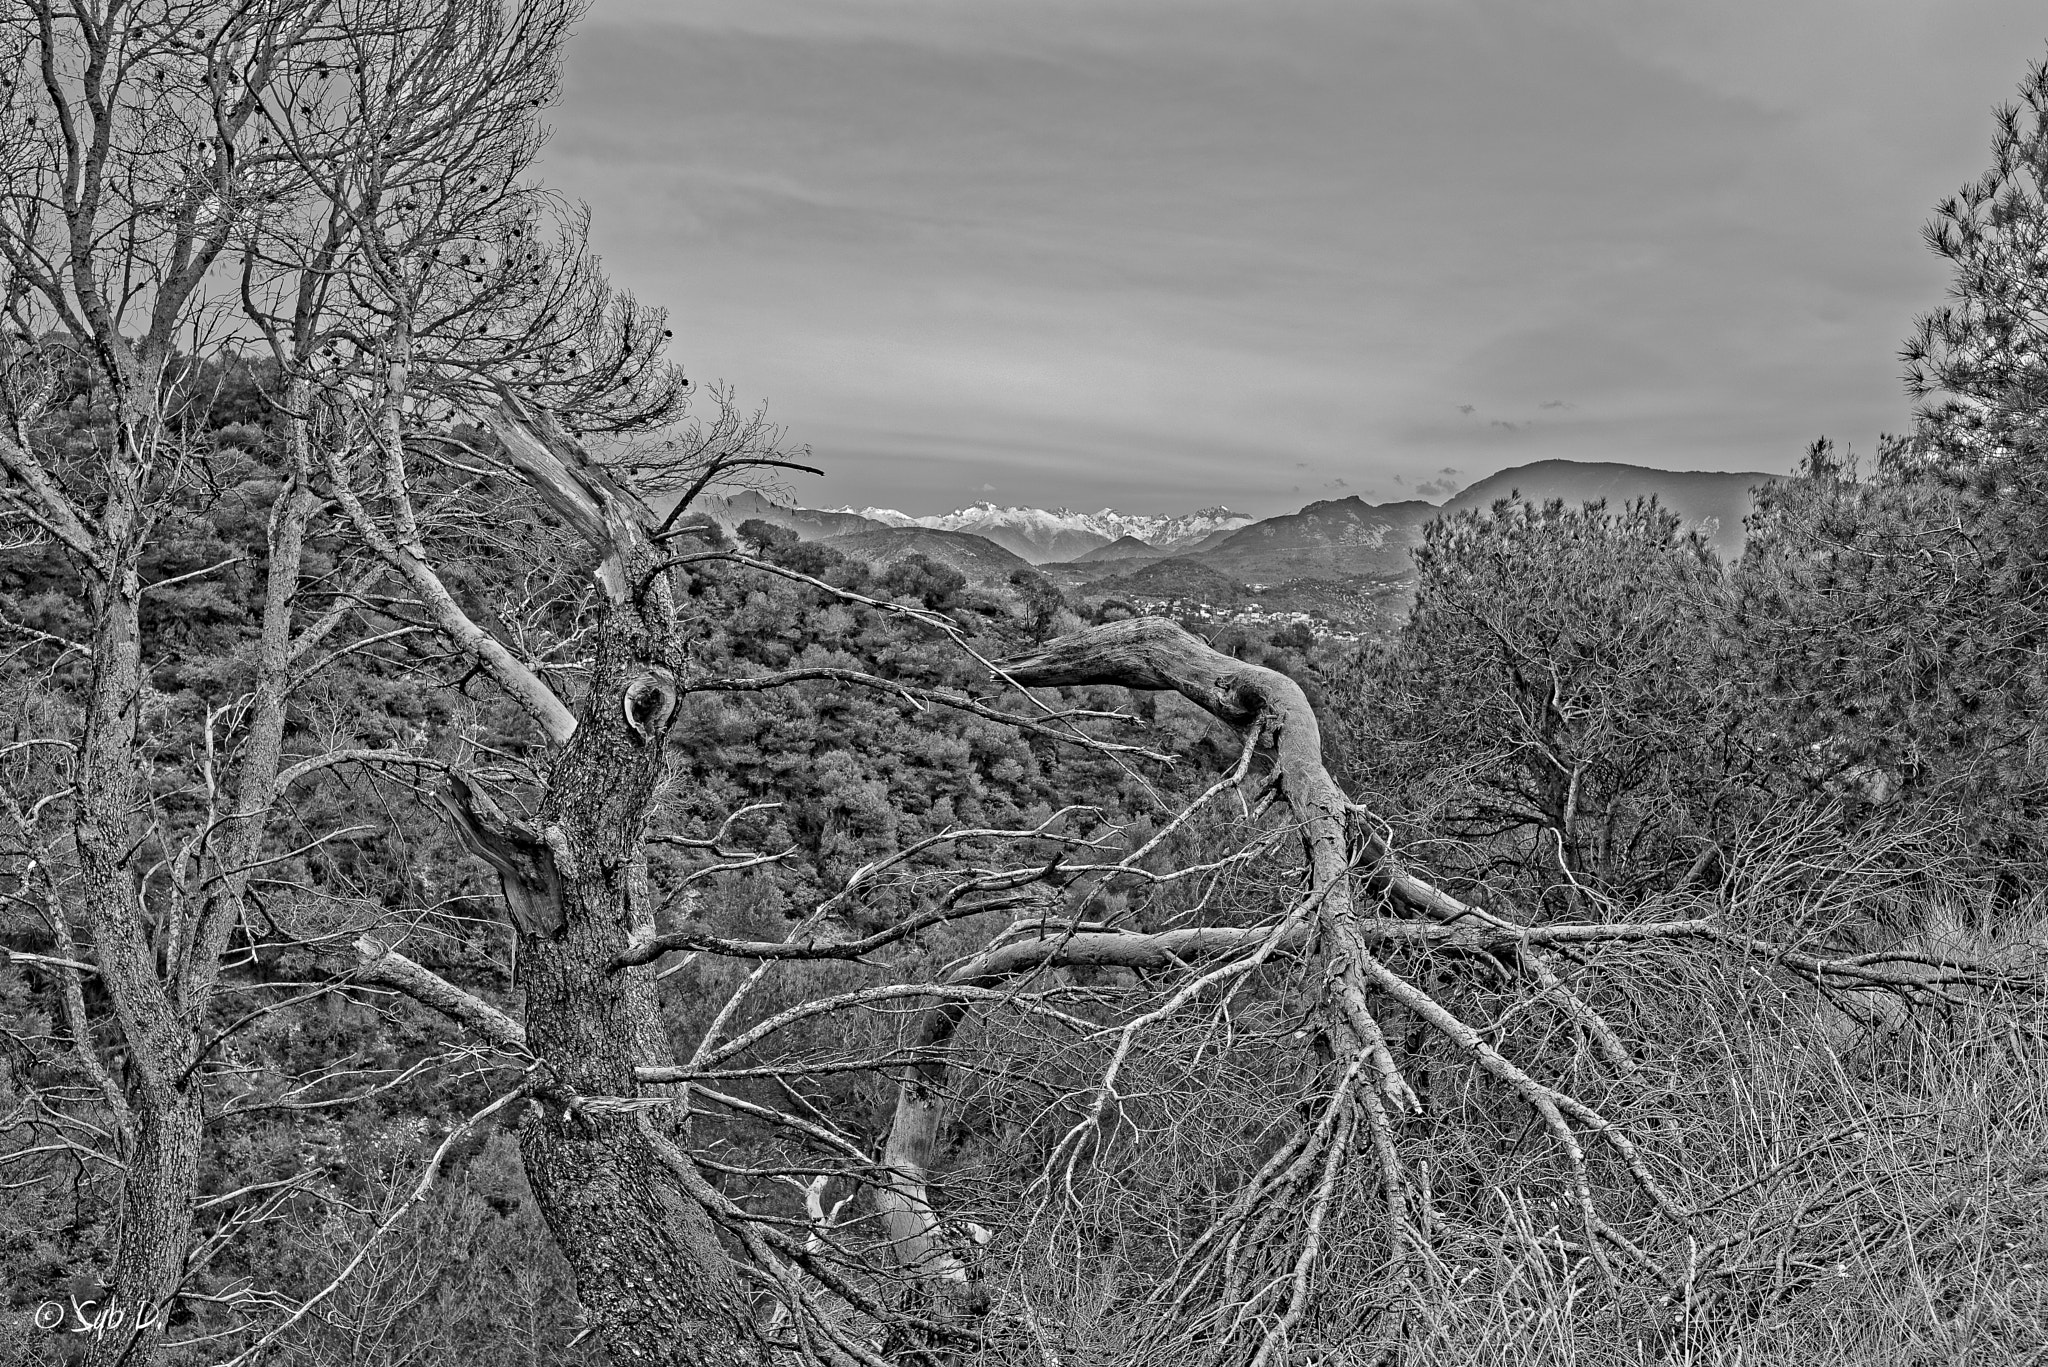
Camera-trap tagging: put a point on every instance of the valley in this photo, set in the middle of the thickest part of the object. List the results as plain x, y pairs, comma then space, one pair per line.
1341, 568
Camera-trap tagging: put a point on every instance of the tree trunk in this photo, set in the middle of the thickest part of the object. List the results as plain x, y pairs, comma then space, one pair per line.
650, 1271
161, 1147
155, 1227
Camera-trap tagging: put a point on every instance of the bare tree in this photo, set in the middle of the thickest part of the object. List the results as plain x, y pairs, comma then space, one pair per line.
341, 190
201, 198
128, 148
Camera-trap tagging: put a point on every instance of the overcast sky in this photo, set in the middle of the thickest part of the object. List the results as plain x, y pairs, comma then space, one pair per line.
1161, 254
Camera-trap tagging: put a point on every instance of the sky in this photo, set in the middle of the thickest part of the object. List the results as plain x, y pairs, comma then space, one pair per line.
1167, 254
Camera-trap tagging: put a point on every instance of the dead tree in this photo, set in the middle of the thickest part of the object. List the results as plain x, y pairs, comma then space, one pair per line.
122, 127
1257, 1265
196, 195
439, 341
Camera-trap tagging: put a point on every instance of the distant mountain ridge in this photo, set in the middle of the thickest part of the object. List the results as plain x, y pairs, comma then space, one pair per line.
1348, 537
1352, 562
811, 524
1712, 502
1335, 551
1342, 536
1041, 534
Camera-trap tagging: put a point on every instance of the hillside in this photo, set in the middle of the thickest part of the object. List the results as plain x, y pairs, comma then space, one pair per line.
1070, 574
1338, 537
1211, 541
981, 560
1714, 502
1123, 548
1181, 578
812, 524
1350, 549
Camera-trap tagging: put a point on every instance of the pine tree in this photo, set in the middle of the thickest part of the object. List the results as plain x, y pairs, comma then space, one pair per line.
1983, 357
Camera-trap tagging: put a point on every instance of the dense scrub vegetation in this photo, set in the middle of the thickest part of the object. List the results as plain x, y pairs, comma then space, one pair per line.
457, 909
1835, 741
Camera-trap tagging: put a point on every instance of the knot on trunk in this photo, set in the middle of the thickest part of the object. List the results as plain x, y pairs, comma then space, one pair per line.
525, 865
649, 702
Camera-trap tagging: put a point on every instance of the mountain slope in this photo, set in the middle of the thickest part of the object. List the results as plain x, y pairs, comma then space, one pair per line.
1211, 541
811, 524
1342, 536
1345, 537
1337, 539
1711, 501
981, 560
1181, 577
1036, 534
1074, 573
1123, 548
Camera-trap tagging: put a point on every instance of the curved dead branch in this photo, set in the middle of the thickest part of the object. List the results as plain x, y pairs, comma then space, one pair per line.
1354, 884
1247, 1279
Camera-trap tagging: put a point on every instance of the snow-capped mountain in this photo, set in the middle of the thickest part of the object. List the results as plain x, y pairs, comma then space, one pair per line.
1041, 535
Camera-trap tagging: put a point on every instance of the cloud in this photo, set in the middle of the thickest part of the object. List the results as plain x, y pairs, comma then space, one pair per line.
1437, 488
968, 222
1504, 425
988, 488
1337, 484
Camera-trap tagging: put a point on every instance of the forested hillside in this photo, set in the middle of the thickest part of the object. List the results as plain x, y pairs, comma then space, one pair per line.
463, 904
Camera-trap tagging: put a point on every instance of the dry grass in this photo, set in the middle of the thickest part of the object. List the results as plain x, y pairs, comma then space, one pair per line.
1868, 1179
1872, 1192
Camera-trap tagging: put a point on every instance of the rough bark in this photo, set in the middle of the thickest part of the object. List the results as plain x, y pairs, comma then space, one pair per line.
651, 1274
163, 1011
121, 276
649, 1268
376, 962
161, 1150
650, 1271
79, 54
